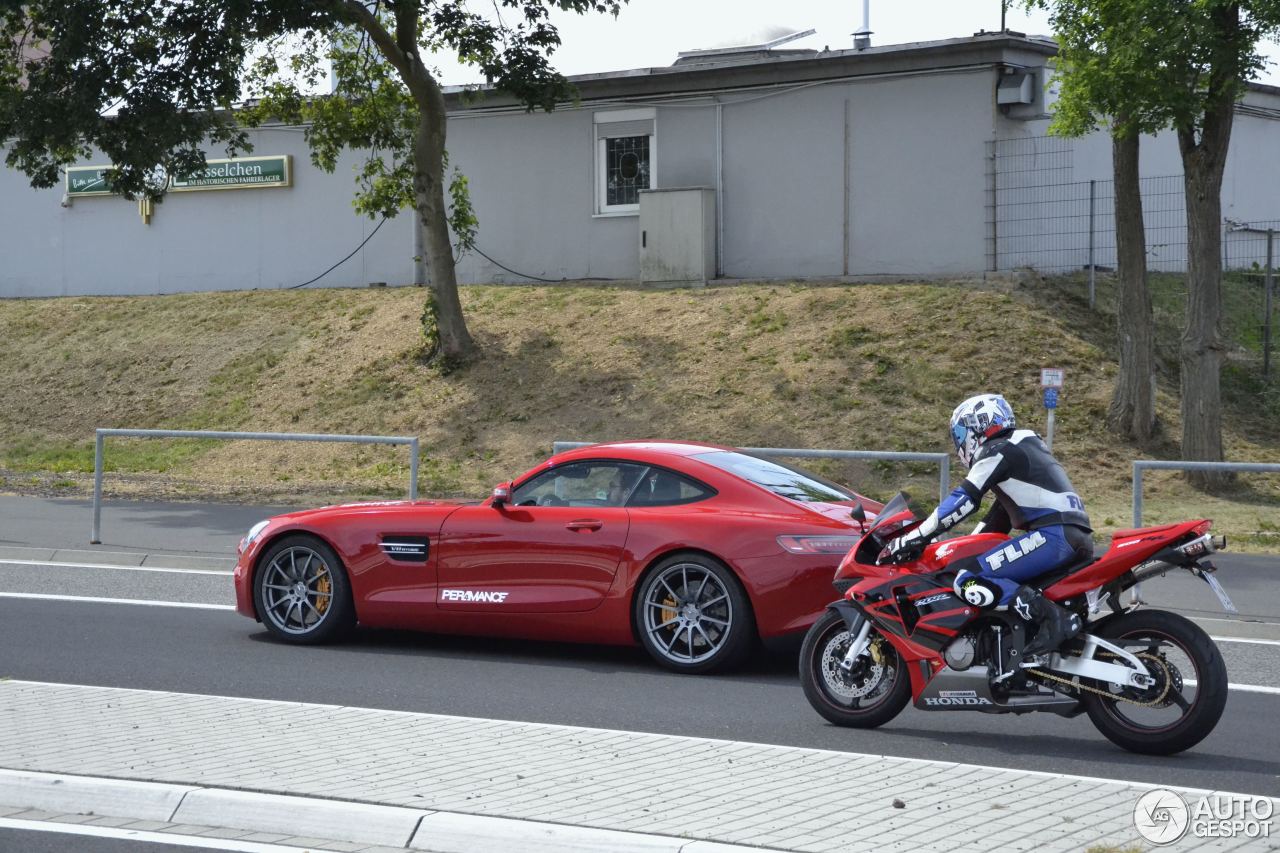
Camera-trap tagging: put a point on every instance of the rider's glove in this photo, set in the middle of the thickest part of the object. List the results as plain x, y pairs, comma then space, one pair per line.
907, 545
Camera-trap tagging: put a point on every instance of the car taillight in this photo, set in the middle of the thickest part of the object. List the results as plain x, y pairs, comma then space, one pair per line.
818, 544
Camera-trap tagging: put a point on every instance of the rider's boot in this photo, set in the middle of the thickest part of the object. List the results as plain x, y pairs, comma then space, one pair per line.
1053, 623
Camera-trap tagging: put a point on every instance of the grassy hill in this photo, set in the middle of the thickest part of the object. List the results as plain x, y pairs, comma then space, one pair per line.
871, 367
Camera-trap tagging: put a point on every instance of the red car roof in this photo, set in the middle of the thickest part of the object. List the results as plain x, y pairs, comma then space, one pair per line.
632, 449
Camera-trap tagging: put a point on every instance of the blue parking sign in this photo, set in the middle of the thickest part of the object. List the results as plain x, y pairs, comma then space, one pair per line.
1051, 398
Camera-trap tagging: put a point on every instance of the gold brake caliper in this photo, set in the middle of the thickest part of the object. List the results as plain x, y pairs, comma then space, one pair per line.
668, 612
324, 590
877, 654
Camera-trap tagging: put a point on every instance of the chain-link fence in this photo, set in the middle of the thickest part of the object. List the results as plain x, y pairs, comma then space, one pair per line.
1041, 219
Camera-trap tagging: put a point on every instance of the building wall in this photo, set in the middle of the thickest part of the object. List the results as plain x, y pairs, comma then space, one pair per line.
917, 186
912, 193
875, 176
216, 240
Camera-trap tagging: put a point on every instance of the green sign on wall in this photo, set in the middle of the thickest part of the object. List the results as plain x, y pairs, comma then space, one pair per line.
241, 173
238, 174
87, 180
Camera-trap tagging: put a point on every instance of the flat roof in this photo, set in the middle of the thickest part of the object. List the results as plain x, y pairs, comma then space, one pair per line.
754, 68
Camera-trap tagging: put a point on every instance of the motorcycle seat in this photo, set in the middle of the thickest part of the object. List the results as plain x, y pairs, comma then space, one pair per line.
1050, 578
1141, 531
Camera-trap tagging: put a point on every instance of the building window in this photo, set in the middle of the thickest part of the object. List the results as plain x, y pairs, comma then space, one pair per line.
624, 159
626, 169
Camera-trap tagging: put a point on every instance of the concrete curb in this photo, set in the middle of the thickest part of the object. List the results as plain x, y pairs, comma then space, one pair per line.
335, 820
390, 826
52, 792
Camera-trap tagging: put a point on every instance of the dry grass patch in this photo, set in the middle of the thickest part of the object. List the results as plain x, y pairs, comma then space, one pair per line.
875, 367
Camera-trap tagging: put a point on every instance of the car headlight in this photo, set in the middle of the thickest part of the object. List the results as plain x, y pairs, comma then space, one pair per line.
252, 535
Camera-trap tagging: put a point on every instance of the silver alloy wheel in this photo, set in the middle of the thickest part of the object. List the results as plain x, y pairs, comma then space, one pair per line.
297, 590
688, 614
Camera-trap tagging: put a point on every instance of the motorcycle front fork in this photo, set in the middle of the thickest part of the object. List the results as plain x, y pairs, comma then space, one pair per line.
858, 647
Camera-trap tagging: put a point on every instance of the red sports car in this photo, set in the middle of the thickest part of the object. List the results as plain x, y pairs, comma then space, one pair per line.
692, 550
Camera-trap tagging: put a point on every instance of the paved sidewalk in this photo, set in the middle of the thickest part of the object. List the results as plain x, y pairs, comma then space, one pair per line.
690, 788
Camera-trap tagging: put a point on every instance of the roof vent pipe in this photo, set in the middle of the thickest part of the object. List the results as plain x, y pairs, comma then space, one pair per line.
862, 38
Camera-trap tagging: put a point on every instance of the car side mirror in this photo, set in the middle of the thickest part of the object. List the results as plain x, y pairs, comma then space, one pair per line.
859, 514
501, 494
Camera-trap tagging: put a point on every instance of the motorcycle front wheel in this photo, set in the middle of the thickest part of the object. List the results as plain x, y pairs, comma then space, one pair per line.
1190, 691
870, 694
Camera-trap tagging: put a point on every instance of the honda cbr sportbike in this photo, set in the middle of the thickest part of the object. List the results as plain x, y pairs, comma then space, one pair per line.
1151, 681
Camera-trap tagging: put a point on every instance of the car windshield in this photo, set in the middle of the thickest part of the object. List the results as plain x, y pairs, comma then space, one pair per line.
784, 480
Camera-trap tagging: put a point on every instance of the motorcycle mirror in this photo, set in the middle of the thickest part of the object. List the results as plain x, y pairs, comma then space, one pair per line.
859, 514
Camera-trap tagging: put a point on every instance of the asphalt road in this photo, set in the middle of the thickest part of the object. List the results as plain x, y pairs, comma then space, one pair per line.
221, 653
27, 841
217, 652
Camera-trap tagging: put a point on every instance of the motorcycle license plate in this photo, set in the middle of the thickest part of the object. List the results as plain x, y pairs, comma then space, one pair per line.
1220, 592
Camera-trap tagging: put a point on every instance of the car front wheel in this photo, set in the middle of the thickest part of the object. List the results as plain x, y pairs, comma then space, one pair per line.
302, 593
692, 615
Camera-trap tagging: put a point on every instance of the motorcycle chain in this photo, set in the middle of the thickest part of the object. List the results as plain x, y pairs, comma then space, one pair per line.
1168, 682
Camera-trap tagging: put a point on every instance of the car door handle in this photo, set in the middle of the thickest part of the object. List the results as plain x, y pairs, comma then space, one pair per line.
585, 524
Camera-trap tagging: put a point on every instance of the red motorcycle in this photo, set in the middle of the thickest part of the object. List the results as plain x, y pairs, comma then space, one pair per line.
1151, 681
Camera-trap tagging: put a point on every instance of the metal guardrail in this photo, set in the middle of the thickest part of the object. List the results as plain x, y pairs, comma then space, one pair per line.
1140, 465
101, 434
943, 460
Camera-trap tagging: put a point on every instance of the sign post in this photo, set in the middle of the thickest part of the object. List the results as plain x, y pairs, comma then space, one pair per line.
1051, 383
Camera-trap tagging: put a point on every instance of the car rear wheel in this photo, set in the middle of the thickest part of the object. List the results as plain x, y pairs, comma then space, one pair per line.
301, 591
693, 616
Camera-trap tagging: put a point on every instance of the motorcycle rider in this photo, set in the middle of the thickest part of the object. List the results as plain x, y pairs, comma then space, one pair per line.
1032, 494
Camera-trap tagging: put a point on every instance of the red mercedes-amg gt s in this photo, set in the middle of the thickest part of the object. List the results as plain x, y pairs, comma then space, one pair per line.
693, 550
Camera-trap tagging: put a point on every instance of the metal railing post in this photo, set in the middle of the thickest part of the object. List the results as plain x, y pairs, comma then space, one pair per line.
94, 536
1266, 309
1135, 595
1092, 273
1137, 493
413, 470
944, 478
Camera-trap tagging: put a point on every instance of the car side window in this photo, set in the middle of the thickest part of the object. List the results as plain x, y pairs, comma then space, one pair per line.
667, 488
591, 483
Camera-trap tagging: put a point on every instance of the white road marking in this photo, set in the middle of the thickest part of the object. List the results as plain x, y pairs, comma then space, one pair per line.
1245, 640
1243, 688
113, 566
88, 599
145, 837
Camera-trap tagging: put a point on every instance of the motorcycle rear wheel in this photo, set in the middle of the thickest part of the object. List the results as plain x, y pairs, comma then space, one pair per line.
1176, 721
869, 696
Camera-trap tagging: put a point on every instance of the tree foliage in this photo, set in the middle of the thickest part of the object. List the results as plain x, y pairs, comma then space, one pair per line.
1150, 65
151, 83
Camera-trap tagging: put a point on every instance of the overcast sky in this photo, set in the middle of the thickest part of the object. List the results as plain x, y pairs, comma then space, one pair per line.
651, 32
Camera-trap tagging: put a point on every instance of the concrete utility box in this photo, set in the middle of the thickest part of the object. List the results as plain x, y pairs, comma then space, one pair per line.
678, 235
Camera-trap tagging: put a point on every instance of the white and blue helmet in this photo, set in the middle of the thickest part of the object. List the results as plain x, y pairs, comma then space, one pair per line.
977, 419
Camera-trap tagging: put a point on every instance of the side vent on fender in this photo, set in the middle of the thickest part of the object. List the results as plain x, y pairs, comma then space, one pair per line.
408, 549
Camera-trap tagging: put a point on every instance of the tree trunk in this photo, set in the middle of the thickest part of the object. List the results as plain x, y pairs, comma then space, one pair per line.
433, 220
1203, 346
443, 322
1132, 413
